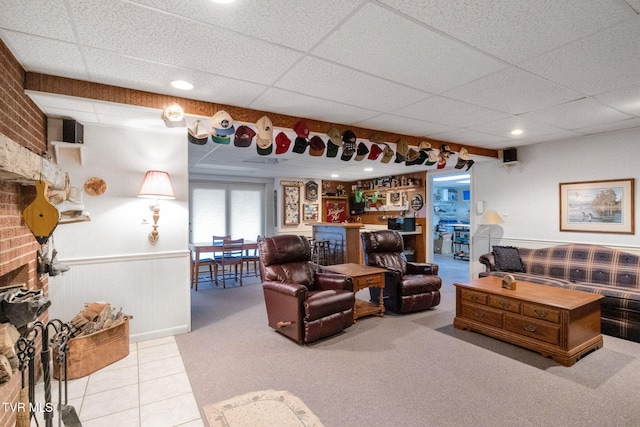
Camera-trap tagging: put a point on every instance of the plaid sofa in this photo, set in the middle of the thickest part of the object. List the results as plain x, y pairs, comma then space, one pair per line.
590, 268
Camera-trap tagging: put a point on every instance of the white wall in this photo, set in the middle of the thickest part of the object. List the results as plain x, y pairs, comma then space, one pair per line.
110, 257
527, 195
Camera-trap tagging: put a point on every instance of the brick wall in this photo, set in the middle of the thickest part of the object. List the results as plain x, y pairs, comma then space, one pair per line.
24, 123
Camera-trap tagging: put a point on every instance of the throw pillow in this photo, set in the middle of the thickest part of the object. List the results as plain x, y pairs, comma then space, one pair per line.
507, 258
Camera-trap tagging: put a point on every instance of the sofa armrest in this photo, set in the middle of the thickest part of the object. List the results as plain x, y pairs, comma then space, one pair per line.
333, 281
488, 261
422, 268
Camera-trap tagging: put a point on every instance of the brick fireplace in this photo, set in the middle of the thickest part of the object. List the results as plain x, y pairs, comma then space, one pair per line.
23, 125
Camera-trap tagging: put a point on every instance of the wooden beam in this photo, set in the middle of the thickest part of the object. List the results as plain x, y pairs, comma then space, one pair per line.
101, 92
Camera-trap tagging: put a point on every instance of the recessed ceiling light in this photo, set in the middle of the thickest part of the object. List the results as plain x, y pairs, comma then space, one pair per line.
517, 132
223, 1
181, 84
368, 169
334, 175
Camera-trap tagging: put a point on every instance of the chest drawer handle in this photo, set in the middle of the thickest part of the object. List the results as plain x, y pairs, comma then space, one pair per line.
473, 297
479, 314
504, 304
369, 280
540, 313
529, 328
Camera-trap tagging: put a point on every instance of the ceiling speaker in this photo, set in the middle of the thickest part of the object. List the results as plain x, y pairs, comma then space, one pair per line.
510, 155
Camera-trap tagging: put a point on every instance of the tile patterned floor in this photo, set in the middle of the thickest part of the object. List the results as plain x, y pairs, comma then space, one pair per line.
148, 388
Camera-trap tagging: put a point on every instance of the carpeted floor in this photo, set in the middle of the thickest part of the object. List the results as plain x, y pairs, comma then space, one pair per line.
266, 408
412, 370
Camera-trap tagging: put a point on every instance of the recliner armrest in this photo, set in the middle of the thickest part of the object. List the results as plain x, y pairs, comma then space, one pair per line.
422, 268
333, 281
293, 289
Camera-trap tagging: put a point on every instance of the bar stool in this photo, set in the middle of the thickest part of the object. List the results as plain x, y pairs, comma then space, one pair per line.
321, 252
338, 252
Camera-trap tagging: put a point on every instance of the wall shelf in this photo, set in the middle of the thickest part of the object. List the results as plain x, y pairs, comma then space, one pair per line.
58, 145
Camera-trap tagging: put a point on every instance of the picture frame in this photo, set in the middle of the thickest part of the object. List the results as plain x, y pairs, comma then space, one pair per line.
310, 212
311, 190
335, 210
605, 206
291, 197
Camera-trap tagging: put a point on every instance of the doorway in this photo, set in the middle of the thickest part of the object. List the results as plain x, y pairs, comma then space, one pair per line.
450, 222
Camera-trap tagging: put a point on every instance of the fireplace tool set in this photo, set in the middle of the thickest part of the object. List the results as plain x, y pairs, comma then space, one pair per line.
53, 335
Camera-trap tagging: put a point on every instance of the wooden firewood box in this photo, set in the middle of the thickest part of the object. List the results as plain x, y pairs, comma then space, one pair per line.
89, 353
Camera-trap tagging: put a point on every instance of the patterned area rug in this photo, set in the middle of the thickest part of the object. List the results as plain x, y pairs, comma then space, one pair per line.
261, 409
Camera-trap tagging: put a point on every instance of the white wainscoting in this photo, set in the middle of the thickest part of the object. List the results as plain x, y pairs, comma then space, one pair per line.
154, 288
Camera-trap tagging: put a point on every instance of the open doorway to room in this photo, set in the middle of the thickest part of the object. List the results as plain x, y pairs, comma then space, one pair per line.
450, 222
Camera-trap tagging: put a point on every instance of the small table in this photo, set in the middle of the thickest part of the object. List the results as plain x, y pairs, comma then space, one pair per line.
561, 323
363, 277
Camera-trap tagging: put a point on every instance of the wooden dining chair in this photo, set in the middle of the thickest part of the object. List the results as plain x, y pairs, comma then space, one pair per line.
231, 254
251, 256
217, 241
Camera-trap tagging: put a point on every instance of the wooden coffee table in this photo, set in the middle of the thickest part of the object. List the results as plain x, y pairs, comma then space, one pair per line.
560, 323
363, 277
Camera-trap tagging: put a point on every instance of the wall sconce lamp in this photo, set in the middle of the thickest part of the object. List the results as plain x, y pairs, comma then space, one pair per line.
156, 185
491, 218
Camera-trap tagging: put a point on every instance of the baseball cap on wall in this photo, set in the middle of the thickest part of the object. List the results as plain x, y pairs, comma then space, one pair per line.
387, 154
335, 137
220, 139
173, 116
264, 146
362, 151
244, 136
316, 146
282, 143
300, 145
222, 123
301, 129
374, 152
197, 133
265, 131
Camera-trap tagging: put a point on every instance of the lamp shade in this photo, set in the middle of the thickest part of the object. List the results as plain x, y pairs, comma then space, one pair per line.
156, 185
491, 218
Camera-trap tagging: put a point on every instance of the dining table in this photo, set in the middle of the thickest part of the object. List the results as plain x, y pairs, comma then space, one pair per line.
200, 256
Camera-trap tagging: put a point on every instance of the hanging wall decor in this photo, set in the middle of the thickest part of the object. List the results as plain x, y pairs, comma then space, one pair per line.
605, 206
291, 205
311, 190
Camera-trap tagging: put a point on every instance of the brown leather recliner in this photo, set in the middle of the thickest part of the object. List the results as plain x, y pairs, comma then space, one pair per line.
302, 304
409, 286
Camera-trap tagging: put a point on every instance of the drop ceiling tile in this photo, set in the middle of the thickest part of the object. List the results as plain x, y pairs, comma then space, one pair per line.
46, 56
159, 37
50, 21
635, 4
402, 125
503, 127
577, 114
512, 91
556, 136
515, 30
468, 136
626, 100
401, 50
111, 68
449, 112
602, 62
278, 21
322, 79
285, 102
611, 127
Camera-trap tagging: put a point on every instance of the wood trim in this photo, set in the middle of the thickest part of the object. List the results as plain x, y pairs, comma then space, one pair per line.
84, 89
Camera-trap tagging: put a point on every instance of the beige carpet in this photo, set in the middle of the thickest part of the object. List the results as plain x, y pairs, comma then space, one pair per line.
266, 408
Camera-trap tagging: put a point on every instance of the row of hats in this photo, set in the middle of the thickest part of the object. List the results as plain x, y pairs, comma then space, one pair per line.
222, 128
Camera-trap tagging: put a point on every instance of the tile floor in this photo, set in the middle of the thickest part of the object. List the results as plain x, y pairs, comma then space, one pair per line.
148, 388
